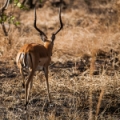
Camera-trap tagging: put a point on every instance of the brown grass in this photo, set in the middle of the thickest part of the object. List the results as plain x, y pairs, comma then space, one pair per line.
99, 102
84, 72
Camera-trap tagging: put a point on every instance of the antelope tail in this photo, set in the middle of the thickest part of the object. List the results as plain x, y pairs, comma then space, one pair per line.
24, 60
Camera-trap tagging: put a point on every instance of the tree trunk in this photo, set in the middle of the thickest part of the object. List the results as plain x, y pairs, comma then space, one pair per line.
29, 2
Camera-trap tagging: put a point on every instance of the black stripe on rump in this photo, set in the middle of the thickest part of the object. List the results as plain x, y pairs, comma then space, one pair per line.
25, 60
31, 60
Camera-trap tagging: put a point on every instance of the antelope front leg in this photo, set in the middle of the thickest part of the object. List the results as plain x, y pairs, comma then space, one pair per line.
46, 76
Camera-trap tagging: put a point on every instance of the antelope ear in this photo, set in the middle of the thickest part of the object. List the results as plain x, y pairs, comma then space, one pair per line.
53, 37
44, 38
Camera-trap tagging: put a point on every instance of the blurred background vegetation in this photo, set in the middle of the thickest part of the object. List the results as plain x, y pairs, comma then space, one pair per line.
89, 44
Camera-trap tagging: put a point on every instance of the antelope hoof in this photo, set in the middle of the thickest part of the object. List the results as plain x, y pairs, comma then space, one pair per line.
49, 100
23, 85
26, 105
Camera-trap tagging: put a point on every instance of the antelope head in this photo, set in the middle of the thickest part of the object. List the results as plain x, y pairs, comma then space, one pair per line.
48, 43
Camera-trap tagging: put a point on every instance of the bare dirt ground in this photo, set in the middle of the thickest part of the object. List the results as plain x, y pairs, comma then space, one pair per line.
84, 74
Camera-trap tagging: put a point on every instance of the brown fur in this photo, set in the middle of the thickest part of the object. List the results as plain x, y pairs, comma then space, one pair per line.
41, 56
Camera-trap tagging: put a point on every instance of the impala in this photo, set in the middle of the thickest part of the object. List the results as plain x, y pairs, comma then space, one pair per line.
33, 55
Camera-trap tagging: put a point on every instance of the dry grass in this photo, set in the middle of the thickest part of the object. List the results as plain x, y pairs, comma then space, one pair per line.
84, 73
